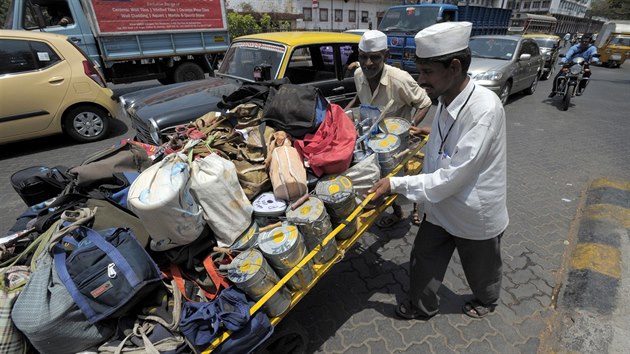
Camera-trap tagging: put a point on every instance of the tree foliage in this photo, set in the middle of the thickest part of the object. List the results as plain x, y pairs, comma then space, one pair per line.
240, 24
610, 9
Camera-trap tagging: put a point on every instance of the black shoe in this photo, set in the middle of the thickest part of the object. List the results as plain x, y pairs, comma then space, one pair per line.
551, 95
579, 93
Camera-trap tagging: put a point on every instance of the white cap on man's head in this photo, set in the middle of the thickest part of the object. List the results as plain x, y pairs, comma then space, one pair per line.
373, 41
442, 38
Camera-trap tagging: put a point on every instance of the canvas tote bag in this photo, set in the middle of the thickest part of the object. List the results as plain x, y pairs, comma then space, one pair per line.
215, 186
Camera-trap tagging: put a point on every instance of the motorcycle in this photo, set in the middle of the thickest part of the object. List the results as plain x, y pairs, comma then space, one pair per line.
572, 83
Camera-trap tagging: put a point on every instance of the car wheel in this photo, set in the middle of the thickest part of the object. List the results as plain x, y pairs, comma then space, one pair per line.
86, 123
188, 71
505, 92
532, 88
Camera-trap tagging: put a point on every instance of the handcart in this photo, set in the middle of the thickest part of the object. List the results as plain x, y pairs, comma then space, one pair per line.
411, 163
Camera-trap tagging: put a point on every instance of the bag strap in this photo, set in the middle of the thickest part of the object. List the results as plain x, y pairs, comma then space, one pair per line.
178, 280
217, 279
117, 258
14, 260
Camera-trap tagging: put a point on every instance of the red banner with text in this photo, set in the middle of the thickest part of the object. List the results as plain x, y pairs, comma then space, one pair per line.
157, 15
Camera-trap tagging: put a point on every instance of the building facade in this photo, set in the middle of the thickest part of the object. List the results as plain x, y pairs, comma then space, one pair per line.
324, 15
340, 15
570, 14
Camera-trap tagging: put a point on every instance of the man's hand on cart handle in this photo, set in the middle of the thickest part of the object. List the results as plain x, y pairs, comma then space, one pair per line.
415, 130
380, 189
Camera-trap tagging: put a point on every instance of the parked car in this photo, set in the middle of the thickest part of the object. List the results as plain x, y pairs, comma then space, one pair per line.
549, 45
307, 58
505, 64
49, 86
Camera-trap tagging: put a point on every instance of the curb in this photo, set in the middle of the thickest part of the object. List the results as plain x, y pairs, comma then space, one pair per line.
587, 319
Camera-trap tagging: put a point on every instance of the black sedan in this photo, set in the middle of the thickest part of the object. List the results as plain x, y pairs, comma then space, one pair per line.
319, 59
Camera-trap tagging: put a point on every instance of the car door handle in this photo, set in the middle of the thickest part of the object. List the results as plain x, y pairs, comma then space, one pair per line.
75, 39
337, 89
56, 80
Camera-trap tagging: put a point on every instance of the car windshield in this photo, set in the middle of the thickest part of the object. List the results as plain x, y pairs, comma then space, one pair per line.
242, 57
545, 42
411, 19
492, 48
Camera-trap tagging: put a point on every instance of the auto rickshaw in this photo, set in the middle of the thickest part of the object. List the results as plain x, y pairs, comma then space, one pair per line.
613, 43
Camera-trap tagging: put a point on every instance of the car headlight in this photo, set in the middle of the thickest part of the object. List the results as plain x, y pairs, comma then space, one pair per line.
575, 69
489, 75
154, 131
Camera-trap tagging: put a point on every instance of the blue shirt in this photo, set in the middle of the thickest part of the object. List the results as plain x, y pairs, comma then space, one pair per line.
576, 51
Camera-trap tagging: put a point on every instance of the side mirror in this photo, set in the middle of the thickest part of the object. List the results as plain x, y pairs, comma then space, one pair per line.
525, 57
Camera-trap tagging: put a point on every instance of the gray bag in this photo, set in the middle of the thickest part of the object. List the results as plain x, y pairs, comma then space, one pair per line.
155, 330
45, 311
364, 174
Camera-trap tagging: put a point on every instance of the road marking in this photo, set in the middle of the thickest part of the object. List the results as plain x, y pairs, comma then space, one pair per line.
608, 183
609, 213
599, 258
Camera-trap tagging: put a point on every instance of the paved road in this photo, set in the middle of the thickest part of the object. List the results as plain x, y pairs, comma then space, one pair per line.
553, 156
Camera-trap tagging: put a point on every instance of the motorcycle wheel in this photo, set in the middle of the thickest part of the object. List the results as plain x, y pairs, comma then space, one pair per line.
566, 100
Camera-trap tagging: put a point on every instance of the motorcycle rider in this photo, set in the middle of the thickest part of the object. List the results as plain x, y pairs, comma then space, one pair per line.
583, 49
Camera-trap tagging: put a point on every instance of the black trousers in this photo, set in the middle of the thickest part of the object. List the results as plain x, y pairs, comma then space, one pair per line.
430, 256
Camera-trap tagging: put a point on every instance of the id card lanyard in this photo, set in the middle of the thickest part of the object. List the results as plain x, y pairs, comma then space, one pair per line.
443, 139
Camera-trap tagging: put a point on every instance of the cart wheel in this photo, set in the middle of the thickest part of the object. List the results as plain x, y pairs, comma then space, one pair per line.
289, 337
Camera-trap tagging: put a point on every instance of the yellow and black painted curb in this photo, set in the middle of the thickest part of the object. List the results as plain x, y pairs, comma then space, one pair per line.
595, 263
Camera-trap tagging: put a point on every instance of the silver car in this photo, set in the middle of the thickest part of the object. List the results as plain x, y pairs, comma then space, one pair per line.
505, 64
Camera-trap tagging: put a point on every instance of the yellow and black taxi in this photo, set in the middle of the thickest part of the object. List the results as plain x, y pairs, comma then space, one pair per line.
549, 45
49, 86
317, 59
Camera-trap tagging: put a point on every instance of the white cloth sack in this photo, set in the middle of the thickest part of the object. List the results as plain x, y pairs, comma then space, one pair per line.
160, 197
226, 209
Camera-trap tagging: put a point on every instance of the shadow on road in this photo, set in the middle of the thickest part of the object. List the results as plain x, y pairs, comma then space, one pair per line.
54, 142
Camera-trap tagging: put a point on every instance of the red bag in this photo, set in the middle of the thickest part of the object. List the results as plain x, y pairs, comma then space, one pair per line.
330, 149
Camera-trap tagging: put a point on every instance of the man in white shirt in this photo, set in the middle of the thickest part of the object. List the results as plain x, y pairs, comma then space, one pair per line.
378, 83
463, 183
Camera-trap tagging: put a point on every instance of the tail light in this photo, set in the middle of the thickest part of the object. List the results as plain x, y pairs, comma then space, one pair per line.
90, 70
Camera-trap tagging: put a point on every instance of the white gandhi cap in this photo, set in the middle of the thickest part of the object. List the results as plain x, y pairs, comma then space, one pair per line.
373, 41
442, 38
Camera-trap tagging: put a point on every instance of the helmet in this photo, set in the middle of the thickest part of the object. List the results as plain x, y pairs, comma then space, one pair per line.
587, 37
